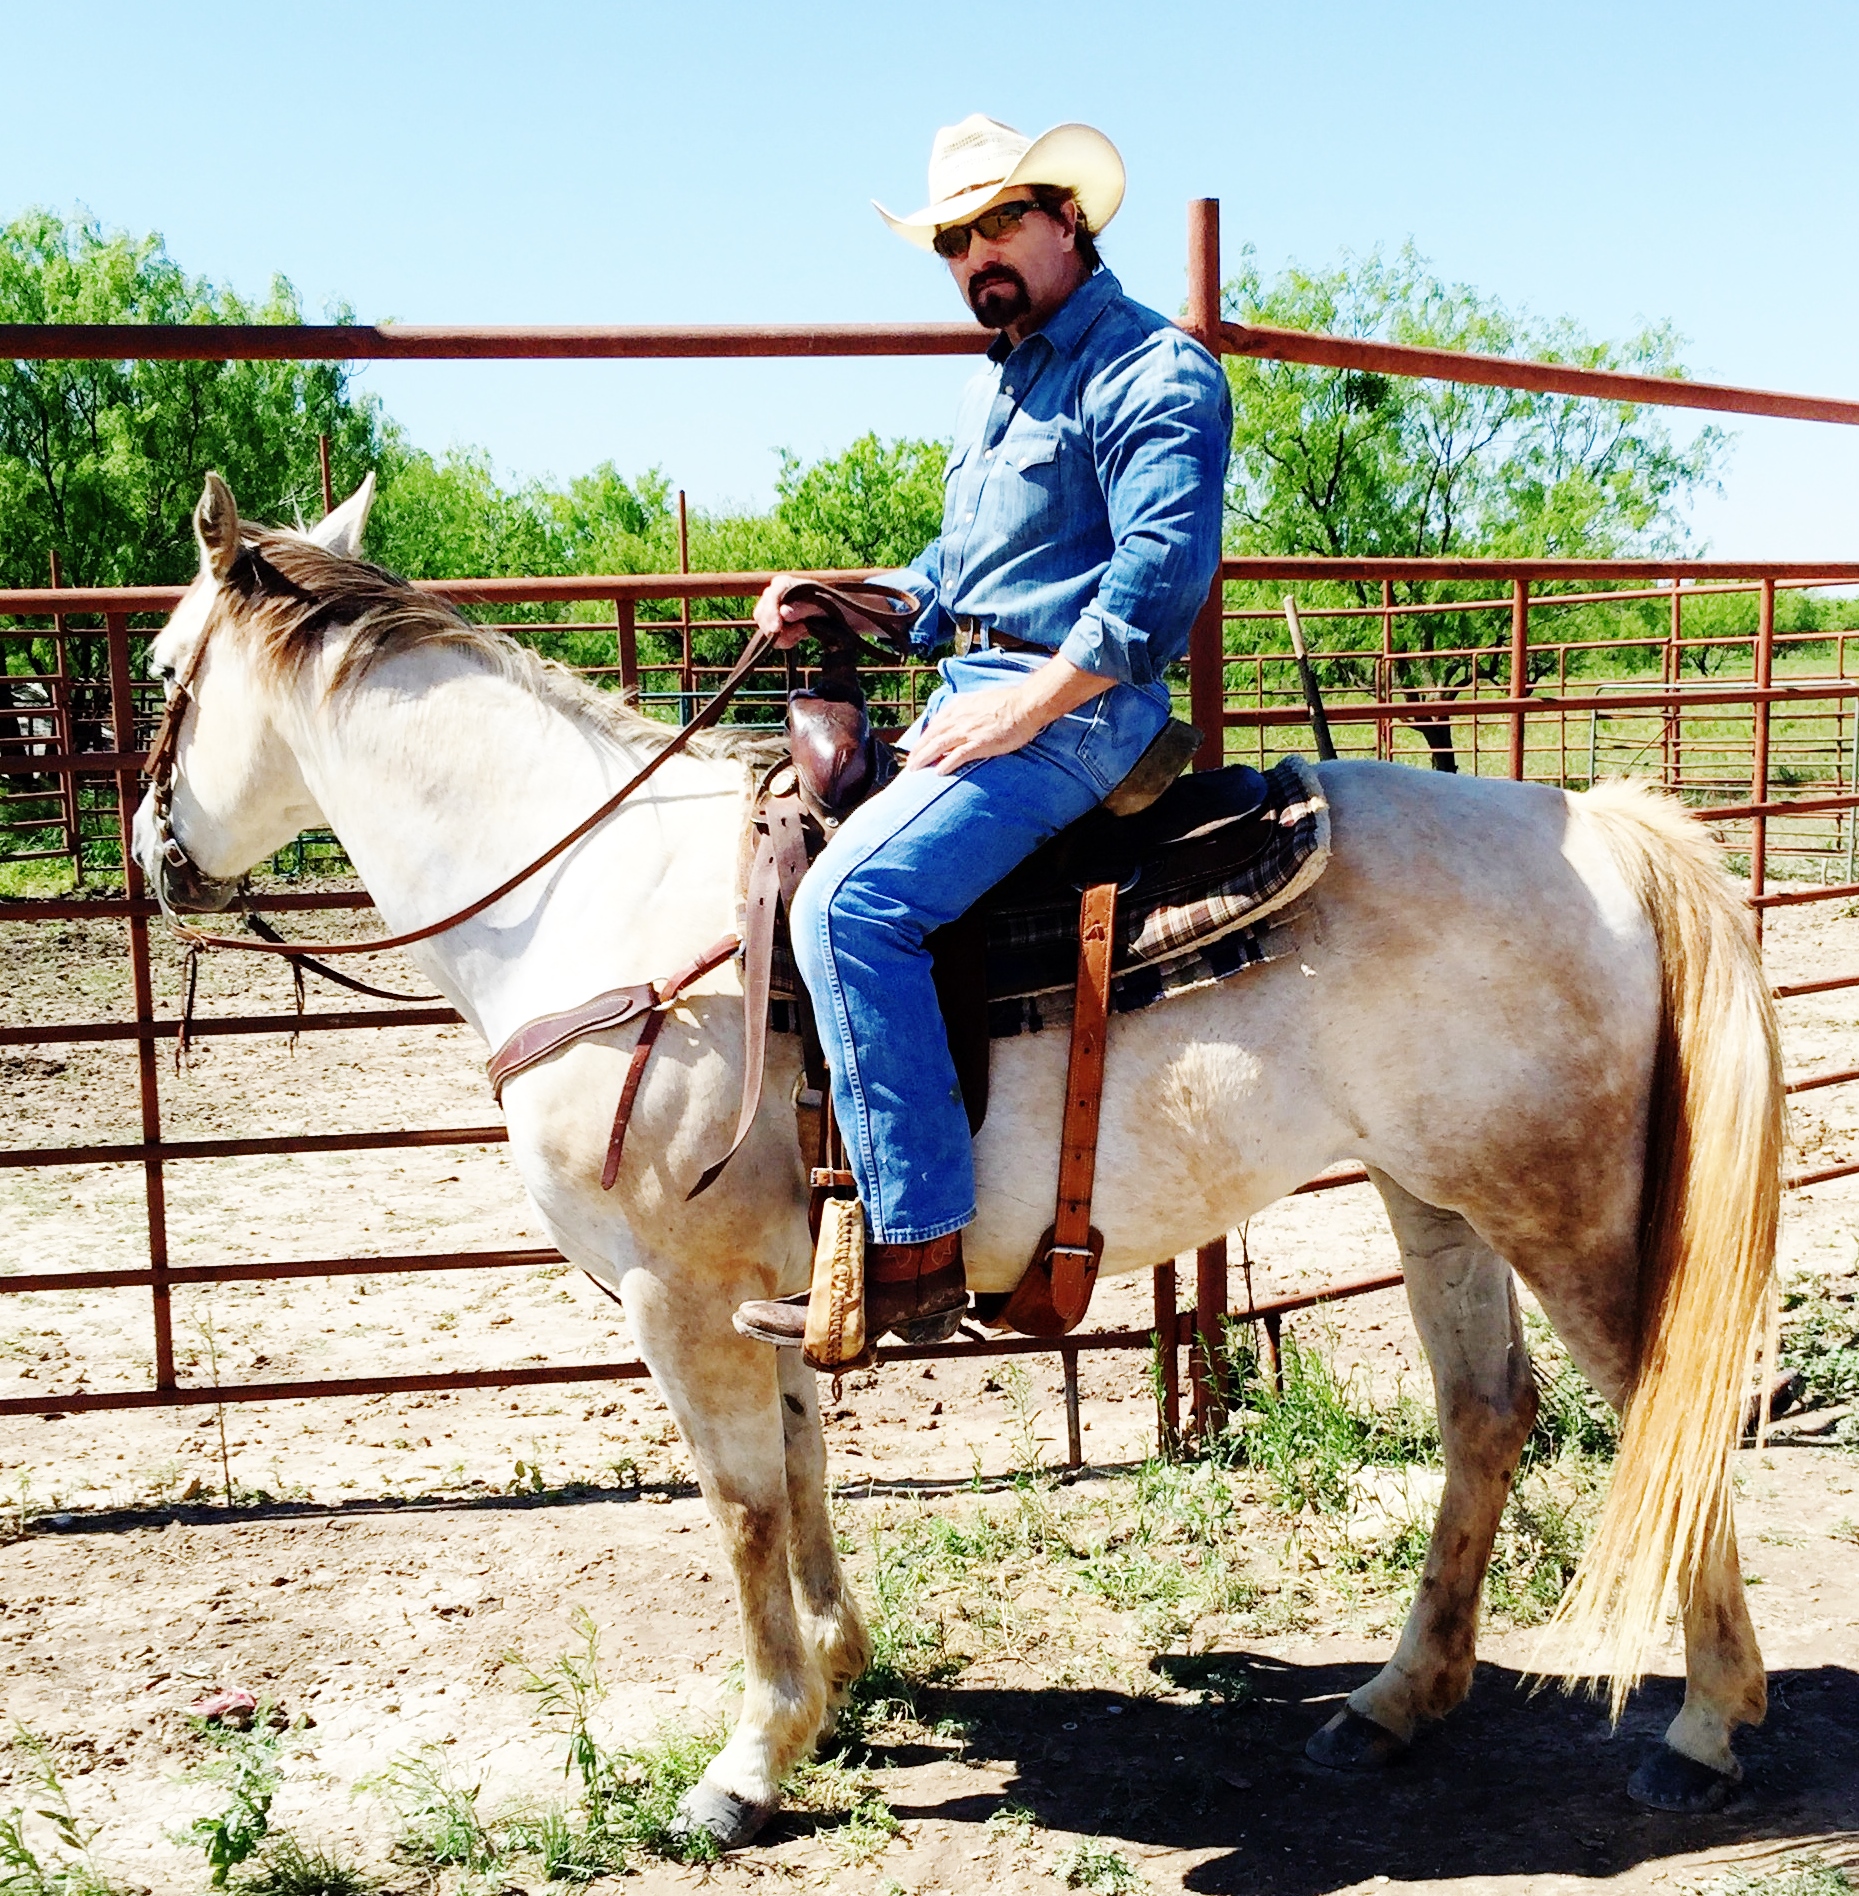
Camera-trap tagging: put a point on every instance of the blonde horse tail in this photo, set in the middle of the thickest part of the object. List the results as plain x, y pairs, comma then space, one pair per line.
1710, 1201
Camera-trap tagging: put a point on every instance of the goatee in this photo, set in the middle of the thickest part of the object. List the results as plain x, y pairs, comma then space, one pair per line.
998, 297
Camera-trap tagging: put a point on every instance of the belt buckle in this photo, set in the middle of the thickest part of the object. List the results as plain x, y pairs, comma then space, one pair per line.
970, 636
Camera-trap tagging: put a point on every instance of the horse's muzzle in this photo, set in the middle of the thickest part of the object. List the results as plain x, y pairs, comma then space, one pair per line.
180, 885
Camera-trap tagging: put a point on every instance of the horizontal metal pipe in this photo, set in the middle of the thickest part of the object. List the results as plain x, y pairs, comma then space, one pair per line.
377, 342
78, 908
79, 1402
86, 1031
1831, 985
1432, 710
1801, 1180
1316, 566
1815, 1081
1550, 378
1793, 898
130, 1278
43, 601
169, 1150
1796, 806
513, 342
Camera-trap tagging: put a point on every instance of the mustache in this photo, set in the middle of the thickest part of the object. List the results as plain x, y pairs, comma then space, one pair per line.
995, 276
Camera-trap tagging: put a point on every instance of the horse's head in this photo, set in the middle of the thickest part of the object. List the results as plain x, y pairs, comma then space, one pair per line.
226, 790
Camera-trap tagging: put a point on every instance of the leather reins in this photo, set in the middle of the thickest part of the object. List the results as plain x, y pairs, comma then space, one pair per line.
888, 608
160, 769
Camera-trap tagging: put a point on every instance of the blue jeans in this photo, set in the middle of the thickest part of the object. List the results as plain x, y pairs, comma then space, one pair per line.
920, 853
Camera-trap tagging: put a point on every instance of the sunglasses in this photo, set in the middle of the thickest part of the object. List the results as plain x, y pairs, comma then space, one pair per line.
990, 226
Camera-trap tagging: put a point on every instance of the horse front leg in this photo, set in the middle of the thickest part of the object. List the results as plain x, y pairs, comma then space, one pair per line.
1464, 1305
829, 1615
725, 1395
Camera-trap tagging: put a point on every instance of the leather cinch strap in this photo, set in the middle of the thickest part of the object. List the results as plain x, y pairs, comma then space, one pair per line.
1053, 1296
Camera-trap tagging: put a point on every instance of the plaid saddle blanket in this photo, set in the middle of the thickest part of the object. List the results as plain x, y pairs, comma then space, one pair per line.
1207, 874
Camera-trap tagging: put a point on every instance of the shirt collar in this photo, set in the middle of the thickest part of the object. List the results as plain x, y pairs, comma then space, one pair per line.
1073, 318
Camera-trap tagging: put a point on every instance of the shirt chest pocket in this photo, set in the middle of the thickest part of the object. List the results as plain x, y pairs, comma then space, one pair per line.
1028, 482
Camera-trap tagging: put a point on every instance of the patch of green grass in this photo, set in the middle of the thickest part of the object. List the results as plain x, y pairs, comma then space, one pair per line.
1309, 1437
436, 1817
1091, 1864
248, 1767
62, 1866
1798, 1876
1820, 1343
285, 1868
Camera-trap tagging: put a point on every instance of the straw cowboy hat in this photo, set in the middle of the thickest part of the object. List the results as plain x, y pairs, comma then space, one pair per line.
974, 162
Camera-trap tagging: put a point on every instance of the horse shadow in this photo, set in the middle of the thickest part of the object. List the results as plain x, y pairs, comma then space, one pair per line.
1513, 1784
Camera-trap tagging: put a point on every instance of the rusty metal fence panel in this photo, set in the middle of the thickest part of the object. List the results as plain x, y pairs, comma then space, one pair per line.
70, 753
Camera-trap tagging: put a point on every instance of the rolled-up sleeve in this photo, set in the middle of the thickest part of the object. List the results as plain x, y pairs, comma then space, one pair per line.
1160, 422
922, 579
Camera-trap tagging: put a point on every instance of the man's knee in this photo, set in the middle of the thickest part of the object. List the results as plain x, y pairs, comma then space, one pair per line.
834, 908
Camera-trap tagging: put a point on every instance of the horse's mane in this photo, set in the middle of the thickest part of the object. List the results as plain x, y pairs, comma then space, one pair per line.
291, 594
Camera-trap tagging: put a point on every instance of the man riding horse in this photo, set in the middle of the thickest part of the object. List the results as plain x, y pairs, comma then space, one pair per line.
1080, 533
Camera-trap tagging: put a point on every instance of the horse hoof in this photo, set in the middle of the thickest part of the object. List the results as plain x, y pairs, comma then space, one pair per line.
729, 1821
1668, 1780
1350, 1742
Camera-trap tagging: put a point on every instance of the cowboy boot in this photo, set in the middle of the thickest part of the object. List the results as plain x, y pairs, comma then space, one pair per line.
918, 1290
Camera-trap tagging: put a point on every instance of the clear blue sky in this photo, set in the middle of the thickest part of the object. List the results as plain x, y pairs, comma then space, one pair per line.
556, 162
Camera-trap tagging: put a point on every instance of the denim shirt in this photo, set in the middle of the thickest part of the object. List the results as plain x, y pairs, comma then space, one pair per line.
1083, 497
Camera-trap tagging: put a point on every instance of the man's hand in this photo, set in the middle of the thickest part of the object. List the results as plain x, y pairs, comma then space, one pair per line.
977, 724
789, 624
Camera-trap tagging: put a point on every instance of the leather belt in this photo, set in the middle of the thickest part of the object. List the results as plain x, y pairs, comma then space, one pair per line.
974, 635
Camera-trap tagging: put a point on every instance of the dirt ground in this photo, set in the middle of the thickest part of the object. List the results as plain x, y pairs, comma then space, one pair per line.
381, 1557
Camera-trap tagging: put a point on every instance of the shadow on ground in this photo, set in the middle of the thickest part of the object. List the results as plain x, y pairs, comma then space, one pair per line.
1511, 1785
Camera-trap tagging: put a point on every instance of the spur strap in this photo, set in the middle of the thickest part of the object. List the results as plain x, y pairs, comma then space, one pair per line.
1053, 1296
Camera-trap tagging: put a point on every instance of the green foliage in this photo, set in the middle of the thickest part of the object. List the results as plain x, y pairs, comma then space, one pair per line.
877, 504
1092, 1864
248, 1767
437, 1821
286, 1868
1797, 1876
1308, 1438
1357, 465
64, 1868
101, 462
1820, 1343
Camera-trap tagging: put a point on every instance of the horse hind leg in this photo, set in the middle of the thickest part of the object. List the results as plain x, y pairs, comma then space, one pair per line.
829, 1616
1464, 1305
1694, 1768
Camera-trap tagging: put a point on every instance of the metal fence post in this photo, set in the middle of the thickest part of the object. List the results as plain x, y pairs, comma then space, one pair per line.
123, 731
1759, 748
1207, 639
1519, 668
1384, 682
1210, 1305
1167, 1330
626, 639
64, 733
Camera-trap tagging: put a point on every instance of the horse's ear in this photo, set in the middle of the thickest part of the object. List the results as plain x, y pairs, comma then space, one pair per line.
216, 527
340, 532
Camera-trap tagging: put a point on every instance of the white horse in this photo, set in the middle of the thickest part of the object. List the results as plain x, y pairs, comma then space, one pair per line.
1537, 1018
